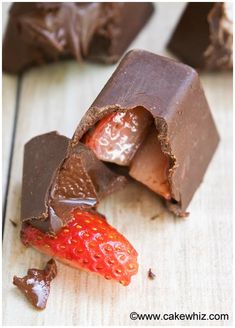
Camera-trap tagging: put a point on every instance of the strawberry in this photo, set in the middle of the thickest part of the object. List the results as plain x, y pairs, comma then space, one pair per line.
87, 242
117, 136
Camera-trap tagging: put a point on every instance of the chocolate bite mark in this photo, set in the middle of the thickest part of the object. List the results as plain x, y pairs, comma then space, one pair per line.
36, 284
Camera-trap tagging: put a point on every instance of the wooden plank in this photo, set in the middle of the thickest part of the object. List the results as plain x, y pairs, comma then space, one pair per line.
9, 93
5, 9
192, 258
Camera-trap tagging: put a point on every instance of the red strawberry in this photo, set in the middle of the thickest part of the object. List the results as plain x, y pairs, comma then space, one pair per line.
88, 242
117, 136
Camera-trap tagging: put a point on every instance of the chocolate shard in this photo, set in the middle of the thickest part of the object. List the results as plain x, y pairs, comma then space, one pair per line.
36, 284
184, 126
151, 275
39, 33
203, 37
58, 179
43, 156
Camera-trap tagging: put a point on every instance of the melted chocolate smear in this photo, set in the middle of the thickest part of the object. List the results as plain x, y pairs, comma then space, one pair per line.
36, 284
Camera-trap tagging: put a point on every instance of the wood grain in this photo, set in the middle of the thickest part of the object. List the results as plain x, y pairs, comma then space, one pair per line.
9, 111
192, 258
9, 92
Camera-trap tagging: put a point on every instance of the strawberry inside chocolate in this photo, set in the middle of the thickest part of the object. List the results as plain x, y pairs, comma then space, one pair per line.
117, 137
129, 138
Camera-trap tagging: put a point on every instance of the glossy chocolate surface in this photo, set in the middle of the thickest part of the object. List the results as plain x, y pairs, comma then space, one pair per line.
36, 284
38, 33
58, 179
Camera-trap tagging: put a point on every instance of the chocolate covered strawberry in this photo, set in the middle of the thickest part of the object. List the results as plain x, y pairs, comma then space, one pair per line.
87, 242
117, 136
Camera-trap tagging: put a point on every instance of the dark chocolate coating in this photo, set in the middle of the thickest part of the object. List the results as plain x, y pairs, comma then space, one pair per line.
58, 179
200, 40
172, 93
36, 284
39, 33
43, 156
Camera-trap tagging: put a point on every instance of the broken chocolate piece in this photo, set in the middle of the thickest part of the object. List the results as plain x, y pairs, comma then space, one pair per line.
39, 33
203, 37
42, 157
58, 179
151, 275
36, 285
184, 126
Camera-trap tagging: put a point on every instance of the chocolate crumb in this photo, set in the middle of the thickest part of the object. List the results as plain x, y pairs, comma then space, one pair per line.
13, 223
154, 217
36, 284
151, 275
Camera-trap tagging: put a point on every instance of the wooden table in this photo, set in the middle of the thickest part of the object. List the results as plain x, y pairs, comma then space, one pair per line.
192, 258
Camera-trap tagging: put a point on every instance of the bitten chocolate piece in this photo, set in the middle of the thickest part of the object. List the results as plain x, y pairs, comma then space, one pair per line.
203, 37
39, 33
186, 136
58, 179
36, 284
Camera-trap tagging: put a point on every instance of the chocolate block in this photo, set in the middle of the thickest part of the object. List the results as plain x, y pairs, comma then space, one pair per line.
39, 33
203, 37
172, 93
58, 179
36, 284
